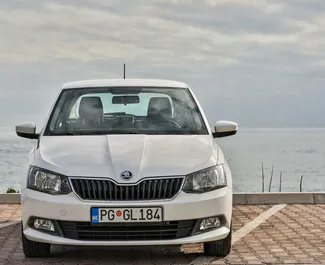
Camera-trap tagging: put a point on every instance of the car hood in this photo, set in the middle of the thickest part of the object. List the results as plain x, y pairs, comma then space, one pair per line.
110, 155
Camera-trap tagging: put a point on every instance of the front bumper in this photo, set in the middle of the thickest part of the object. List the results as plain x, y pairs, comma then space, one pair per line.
71, 208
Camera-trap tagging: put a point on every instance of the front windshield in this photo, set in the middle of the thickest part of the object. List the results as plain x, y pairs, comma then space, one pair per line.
125, 110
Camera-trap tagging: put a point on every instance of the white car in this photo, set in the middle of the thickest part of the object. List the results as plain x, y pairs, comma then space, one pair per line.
126, 162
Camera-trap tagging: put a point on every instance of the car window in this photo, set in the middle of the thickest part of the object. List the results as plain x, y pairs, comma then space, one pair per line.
125, 110
134, 109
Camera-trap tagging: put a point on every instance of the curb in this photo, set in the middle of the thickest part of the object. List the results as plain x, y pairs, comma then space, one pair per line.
10, 198
254, 198
279, 198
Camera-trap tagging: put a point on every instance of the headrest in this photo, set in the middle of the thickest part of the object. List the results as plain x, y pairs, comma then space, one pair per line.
91, 108
159, 106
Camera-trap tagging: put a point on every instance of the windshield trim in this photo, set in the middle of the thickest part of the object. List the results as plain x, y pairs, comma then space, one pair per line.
205, 131
121, 132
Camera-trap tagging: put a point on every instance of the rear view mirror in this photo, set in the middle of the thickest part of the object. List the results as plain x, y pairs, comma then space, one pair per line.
125, 100
225, 128
27, 130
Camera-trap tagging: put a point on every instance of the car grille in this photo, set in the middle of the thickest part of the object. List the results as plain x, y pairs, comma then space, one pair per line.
130, 232
106, 190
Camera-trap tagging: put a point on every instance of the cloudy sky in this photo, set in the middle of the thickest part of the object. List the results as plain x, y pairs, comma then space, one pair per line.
258, 62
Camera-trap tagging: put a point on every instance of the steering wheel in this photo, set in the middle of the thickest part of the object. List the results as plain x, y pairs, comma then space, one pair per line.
168, 121
175, 124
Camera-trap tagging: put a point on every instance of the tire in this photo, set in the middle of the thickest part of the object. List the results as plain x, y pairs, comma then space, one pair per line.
34, 249
220, 248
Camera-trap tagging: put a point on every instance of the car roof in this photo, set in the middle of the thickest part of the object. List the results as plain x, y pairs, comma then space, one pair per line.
124, 83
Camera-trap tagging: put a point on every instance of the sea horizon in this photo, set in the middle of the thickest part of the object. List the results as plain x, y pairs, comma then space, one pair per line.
294, 151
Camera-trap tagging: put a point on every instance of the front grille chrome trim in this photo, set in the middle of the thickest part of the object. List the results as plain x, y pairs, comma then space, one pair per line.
133, 185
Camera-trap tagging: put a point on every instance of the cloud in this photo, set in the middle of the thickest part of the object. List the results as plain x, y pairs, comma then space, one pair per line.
64, 31
247, 53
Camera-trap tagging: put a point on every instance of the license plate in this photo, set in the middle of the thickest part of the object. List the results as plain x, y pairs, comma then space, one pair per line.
126, 215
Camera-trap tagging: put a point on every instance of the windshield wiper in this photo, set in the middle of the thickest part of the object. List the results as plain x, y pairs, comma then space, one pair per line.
59, 133
191, 132
121, 132
69, 133
94, 133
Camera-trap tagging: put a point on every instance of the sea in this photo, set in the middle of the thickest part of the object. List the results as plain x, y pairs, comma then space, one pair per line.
296, 154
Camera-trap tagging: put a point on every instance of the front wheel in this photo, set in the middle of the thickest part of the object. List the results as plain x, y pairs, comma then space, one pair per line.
34, 249
220, 248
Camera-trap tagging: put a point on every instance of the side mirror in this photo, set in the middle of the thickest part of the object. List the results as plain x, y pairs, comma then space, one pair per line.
27, 130
224, 128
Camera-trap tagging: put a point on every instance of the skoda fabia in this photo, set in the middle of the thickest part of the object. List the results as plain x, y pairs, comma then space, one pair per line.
127, 162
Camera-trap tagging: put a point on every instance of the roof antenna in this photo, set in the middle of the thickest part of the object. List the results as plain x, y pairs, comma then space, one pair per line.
124, 72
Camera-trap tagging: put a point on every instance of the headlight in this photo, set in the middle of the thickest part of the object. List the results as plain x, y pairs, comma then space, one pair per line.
47, 182
205, 180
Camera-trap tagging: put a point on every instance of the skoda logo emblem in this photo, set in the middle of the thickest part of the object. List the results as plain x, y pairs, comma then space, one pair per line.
126, 175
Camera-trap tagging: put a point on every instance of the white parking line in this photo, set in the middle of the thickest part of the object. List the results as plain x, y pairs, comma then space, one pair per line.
246, 229
9, 223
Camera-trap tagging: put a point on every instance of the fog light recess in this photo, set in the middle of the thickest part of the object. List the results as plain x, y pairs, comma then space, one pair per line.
208, 223
44, 224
